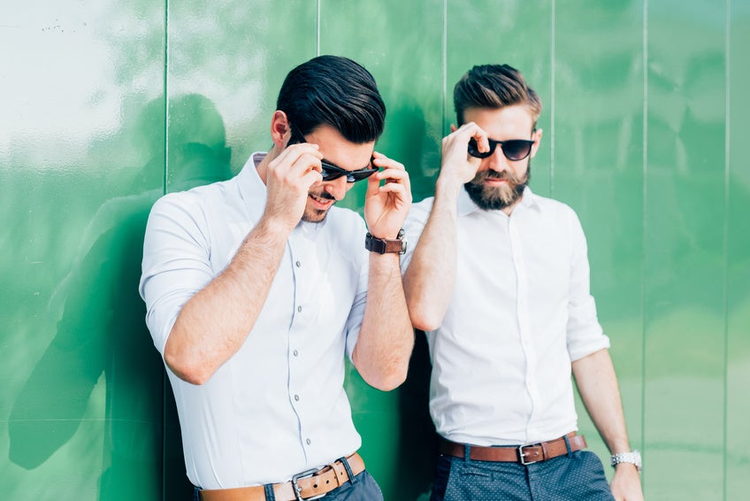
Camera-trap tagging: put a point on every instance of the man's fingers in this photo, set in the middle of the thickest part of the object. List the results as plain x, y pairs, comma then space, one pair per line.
295, 163
465, 133
393, 171
312, 177
293, 153
397, 189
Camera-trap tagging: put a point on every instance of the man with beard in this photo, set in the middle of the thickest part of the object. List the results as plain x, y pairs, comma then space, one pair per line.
499, 280
258, 287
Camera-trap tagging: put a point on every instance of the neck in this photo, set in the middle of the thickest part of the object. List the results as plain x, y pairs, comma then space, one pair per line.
509, 209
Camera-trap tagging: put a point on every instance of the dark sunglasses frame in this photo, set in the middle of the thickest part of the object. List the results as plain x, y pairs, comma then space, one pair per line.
331, 171
521, 148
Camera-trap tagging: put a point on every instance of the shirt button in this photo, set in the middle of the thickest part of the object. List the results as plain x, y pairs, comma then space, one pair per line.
298, 264
295, 353
308, 441
299, 309
296, 398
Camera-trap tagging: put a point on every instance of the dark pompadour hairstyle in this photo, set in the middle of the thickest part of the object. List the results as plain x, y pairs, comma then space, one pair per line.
494, 86
335, 91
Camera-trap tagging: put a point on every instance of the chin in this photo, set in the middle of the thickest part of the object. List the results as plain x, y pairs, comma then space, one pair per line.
314, 216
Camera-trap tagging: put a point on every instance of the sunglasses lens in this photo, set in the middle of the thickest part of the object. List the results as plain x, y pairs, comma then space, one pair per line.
474, 149
517, 149
359, 175
330, 173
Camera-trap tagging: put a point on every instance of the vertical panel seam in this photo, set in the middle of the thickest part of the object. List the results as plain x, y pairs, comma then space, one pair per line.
166, 96
164, 382
552, 98
317, 29
644, 208
444, 49
727, 166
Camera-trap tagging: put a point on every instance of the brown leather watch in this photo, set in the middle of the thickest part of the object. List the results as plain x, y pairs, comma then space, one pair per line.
383, 245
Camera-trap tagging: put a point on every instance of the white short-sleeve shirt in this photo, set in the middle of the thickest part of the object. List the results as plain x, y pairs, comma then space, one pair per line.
521, 312
278, 406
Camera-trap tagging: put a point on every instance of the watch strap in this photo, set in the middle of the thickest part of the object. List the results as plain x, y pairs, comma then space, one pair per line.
632, 457
384, 245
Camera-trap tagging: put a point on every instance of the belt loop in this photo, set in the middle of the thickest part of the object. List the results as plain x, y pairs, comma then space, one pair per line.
348, 469
467, 452
567, 446
270, 496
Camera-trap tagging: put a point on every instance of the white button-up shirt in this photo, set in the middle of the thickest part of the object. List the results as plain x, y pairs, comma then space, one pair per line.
520, 313
278, 406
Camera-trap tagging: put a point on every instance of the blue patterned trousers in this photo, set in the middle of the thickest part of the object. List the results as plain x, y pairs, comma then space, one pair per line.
578, 476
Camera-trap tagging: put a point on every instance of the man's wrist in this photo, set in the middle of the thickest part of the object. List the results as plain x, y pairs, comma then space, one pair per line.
448, 186
632, 458
386, 246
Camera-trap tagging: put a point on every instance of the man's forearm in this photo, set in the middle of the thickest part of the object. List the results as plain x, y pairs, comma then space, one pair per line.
431, 276
597, 384
386, 337
214, 323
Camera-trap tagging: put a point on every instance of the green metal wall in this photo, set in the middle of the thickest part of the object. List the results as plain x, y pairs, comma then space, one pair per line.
105, 105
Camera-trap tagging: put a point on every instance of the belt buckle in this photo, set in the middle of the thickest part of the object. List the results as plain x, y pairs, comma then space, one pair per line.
522, 456
298, 489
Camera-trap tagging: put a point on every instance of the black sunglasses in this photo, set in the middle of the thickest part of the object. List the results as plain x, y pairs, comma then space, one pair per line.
513, 149
331, 171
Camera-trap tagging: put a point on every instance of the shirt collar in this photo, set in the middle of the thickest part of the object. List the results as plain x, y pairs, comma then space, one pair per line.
252, 187
466, 205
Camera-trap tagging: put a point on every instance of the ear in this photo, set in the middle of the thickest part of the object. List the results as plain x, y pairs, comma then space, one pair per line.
537, 137
280, 129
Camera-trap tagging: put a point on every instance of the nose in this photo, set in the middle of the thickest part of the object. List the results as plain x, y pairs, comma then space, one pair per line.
497, 160
337, 188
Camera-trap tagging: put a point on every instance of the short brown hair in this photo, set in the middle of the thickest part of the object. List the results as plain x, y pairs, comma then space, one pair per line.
494, 86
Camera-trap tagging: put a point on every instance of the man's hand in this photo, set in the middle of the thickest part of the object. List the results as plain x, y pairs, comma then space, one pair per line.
458, 167
626, 484
289, 178
386, 206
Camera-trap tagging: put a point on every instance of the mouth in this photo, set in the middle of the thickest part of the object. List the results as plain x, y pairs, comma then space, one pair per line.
496, 180
321, 202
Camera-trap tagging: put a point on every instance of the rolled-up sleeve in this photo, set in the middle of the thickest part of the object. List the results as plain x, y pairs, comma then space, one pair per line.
413, 227
584, 333
175, 263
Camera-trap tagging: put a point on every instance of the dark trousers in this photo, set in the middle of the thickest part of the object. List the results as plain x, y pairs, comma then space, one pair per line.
578, 476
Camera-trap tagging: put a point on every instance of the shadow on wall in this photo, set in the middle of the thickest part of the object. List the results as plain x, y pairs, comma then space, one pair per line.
101, 337
418, 445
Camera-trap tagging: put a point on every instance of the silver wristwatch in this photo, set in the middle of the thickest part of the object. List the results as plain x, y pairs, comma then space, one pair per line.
633, 457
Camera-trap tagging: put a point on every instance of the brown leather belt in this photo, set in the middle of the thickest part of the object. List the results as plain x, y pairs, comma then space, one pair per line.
524, 454
306, 485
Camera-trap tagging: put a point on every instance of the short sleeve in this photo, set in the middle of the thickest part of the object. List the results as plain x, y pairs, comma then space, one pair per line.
584, 333
413, 227
175, 262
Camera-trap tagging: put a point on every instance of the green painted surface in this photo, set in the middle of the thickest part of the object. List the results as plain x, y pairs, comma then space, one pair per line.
104, 106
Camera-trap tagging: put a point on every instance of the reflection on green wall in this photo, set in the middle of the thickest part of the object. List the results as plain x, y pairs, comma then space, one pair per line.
108, 105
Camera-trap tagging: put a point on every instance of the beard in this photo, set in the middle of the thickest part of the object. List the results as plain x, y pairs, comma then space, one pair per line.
497, 197
312, 215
